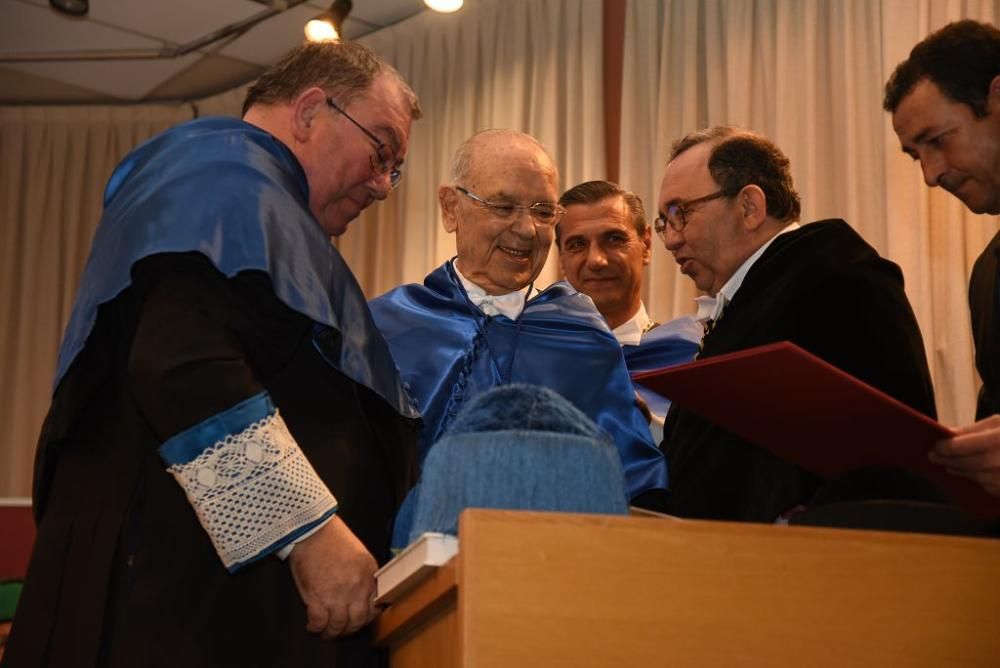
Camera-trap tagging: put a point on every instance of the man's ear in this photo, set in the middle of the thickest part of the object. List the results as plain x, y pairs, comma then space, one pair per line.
993, 96
753, 204
647, 245
448, 199
305, 108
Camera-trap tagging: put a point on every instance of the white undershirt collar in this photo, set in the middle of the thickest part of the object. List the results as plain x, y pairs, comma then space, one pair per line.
510, 304
629, 333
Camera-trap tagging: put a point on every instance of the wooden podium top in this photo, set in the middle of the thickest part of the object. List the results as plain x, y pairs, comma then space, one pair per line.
586, 590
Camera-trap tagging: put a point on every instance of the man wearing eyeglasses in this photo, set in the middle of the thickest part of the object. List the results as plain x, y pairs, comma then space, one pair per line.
228, 439
605, 245
477, 321
728, 212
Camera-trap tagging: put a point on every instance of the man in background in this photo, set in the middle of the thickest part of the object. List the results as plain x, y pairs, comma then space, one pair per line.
945, 106
228, 439
477, 321
604, 246
729, 215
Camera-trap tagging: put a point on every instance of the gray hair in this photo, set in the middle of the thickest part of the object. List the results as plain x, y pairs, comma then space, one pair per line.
344, 69
462, 163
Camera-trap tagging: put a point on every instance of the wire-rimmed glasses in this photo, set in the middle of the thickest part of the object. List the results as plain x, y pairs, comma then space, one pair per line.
544, 213
383, 159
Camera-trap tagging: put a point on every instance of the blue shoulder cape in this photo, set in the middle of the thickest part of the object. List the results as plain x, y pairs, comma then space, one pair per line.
671, 343
237, 195
449, 352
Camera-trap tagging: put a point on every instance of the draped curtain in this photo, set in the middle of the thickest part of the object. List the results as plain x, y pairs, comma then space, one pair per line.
55, 164
810, 75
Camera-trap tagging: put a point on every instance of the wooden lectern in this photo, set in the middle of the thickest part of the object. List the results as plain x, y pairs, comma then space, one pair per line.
561, 590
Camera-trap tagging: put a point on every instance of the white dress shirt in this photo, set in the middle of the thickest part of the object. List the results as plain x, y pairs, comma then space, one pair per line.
510, 304
630, 332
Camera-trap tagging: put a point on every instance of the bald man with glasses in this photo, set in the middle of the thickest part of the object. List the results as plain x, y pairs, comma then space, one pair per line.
728, 213
478, 321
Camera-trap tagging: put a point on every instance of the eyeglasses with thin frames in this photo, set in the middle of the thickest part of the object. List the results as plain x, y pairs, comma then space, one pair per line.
545, 214
676, 213
382, 160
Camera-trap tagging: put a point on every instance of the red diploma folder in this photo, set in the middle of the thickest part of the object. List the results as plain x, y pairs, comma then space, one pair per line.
809, 412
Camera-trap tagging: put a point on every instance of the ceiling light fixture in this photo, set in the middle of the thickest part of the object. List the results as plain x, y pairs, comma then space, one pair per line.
71, 7
444, 6
329, 25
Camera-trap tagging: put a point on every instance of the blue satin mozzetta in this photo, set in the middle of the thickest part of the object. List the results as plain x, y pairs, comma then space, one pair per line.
237, 195
449, 352
674, 342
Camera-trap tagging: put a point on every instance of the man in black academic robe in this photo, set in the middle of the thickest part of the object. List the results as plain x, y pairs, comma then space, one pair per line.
228, 439
728, 214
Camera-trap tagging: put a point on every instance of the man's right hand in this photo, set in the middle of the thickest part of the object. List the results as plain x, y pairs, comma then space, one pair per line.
335, 576
974, 453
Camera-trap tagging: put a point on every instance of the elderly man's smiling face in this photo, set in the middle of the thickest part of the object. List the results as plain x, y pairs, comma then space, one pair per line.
501, 254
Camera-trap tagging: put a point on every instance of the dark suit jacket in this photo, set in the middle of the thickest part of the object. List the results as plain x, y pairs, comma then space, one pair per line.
825, 289
983, 303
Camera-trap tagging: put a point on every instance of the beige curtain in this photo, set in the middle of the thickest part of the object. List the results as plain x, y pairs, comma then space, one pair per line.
810, 75
531, 65
55, 163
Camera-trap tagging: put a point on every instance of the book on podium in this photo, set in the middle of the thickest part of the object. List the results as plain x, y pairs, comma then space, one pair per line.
807, 411
413, 565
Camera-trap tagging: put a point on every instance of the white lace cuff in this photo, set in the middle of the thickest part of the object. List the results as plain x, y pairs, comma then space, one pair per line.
251, 486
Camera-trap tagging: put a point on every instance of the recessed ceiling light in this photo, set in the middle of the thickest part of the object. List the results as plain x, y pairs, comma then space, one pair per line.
444, 6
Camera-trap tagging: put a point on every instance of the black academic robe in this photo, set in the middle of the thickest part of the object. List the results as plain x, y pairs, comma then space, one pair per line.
825, 289
123, 573
984, 304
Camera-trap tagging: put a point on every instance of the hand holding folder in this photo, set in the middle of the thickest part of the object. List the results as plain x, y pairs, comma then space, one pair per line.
807, 411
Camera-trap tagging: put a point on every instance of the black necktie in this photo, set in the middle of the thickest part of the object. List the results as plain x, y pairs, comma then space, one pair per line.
707, 328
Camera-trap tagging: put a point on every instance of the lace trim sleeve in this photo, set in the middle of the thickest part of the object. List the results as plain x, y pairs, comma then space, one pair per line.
248, 481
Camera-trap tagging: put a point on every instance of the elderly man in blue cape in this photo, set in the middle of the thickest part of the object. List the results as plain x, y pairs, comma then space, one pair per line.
477, 321
228, 439
605, 245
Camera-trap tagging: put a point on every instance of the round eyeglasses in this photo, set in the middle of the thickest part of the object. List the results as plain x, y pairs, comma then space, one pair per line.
546, 214
676, 214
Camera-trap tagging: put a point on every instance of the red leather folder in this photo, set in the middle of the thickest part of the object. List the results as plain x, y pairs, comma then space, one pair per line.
809, 412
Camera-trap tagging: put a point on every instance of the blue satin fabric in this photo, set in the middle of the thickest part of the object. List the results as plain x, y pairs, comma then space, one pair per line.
674, 342
229, 190
449, 352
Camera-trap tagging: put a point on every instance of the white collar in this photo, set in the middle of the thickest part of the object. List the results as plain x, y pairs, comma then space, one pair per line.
728, 291
706, 307
510, 304
629, 333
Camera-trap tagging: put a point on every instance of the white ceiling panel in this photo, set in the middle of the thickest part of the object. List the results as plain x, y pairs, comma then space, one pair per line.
31, 28
265, 43
177, 21
25, 27
123, 79
386, 12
